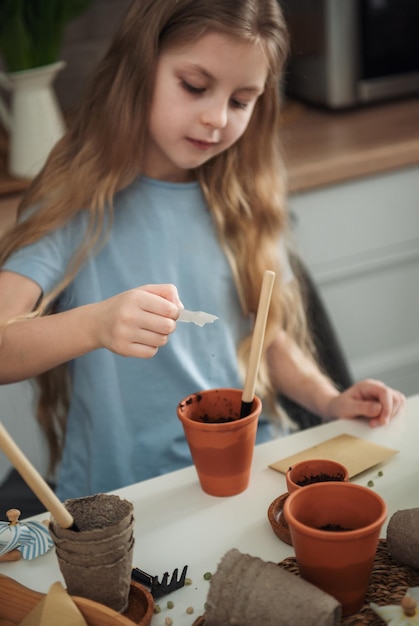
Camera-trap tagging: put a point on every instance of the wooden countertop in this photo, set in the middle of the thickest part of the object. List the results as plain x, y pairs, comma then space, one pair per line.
323, 147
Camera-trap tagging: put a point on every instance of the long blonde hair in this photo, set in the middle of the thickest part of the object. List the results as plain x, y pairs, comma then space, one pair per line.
245, 186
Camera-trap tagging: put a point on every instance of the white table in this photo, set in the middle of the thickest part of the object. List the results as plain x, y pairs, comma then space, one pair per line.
177, 524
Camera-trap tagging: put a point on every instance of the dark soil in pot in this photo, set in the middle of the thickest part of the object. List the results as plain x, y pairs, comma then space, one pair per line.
320, 478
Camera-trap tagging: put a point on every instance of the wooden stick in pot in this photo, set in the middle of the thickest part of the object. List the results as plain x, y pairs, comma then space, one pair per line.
257, 343
35, 481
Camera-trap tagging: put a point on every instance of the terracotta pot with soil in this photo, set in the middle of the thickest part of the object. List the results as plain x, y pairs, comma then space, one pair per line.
220, 442
300, 475
313, 471
335, 528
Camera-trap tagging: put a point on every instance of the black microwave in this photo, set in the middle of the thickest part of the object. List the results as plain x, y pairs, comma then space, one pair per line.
351, 52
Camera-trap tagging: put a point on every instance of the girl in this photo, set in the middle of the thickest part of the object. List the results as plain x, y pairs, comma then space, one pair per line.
169, 177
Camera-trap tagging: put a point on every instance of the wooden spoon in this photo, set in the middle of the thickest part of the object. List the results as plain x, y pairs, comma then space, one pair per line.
257, 343
35, 481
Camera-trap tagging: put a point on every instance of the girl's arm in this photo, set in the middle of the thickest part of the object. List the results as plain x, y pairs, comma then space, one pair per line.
298, 377
134, 323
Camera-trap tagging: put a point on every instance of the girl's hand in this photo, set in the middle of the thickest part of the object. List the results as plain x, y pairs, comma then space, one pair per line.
371, 399
137, 322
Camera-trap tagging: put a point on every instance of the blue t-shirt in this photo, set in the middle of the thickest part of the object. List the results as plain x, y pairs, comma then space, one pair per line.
122, 425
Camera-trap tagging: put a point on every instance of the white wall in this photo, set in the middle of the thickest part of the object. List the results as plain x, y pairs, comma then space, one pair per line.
17, 416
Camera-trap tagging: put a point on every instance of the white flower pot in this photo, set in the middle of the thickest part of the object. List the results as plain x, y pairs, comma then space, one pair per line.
33, 119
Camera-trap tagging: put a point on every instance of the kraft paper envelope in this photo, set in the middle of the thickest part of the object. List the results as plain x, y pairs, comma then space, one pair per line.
356, 454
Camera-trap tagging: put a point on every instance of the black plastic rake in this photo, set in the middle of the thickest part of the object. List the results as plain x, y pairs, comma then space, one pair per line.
159, 589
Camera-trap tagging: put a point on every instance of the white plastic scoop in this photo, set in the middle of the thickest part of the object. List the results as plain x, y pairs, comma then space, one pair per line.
200, 318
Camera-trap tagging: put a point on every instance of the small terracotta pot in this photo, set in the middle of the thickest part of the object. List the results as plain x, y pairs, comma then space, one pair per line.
317, 470
222, 451
337, 561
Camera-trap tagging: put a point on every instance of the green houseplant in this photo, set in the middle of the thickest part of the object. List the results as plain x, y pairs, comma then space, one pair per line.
31, 34
31, 31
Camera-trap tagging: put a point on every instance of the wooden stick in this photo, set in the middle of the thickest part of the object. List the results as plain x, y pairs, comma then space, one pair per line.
34, 480
257, 342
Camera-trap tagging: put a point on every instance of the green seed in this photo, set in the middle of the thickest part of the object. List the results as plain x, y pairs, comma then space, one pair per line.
170, 604
157, 608
370, 483
207, 576
188, 581
381, 473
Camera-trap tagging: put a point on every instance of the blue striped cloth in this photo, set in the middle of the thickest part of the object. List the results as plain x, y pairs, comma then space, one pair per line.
31, 538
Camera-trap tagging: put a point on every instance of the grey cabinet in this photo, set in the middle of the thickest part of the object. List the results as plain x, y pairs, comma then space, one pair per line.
360, 241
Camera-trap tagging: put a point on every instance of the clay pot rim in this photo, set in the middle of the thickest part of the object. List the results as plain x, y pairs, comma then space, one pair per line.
330, 535
339, 469
225, 426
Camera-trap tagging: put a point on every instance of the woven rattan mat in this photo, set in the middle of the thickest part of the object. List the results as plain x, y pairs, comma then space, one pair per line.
388, 584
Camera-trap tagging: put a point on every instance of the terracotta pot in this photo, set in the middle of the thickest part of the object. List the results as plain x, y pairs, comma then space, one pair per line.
316, 470
337, 561
222, 451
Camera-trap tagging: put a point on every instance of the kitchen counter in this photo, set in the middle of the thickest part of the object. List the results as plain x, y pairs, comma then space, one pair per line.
323, 147
320, 147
